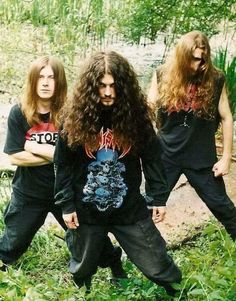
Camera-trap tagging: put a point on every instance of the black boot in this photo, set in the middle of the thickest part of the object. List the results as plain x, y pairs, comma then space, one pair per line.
116, 265
170, 290
80, 282
3, 267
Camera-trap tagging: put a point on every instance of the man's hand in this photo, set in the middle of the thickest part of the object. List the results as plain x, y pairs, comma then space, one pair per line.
71, 220
43, 150
221, 168
158, 214
30, 146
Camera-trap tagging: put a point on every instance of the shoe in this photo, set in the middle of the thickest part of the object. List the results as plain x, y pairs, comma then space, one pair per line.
3, 267
80, 282
116, 266
170, 290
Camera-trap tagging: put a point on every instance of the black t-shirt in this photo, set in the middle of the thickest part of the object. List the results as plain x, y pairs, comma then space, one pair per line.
189, 140
34, 181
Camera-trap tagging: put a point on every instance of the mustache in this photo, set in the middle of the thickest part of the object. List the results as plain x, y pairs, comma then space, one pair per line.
106, 96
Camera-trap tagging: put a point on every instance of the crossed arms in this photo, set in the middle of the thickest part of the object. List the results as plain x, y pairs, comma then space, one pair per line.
34, 154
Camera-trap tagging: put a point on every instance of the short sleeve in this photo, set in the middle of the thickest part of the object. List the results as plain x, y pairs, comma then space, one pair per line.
16, 131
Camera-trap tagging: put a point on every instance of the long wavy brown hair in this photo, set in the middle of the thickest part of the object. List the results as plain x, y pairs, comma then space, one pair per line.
131, 116
30, 97
176, 76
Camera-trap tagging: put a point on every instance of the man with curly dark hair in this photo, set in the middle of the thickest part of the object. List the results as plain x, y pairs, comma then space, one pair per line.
107, 136
190, 96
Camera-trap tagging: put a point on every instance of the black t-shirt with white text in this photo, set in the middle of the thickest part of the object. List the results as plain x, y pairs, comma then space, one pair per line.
31, 181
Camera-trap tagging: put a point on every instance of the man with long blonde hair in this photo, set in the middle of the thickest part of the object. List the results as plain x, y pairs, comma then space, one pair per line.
107, 133
189, 95
31, 136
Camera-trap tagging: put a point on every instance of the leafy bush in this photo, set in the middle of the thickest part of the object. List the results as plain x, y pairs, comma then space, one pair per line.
89, 21
229, 68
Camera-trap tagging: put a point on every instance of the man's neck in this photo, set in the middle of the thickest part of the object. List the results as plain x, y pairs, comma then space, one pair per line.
196, 78
44, 106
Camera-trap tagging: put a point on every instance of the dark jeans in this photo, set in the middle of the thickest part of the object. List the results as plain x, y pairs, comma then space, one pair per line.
141, 241
210, 189
23, 217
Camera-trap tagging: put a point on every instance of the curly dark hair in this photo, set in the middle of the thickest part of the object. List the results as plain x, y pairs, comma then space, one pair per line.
131, 116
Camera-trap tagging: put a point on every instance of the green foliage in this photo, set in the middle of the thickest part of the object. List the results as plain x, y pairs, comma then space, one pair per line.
208, 265
5, 185
148, 18
229, 69
78, 24
71, 23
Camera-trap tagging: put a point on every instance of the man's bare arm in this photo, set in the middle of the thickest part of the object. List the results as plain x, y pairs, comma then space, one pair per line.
222, 167
45, 151
25, 158
152, 92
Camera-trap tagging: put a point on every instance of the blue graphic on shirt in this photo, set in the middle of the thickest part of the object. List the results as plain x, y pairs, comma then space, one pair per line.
105, 186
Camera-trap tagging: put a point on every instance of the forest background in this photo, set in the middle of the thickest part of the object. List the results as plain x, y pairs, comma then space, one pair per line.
144, 31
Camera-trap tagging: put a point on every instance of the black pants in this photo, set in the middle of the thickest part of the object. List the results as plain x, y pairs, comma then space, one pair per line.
210, 189
23, 217
141, 241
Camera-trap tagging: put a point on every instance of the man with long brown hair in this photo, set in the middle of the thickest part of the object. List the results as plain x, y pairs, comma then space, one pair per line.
30, 143
189, 95
107, 133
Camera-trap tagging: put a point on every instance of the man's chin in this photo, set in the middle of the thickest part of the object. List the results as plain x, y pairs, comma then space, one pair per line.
107, 104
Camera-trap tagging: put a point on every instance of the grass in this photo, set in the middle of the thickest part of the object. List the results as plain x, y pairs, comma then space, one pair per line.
208, 264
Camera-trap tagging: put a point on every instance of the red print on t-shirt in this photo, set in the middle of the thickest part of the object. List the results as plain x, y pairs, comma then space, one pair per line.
190, 104
42, 133
107, 141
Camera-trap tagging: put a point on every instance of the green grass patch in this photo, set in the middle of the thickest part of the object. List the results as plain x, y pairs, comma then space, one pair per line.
208, 263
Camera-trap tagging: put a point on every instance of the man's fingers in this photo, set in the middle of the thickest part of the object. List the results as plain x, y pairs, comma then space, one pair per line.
158, 214
76, 220
71, 220
159, 218
71, 225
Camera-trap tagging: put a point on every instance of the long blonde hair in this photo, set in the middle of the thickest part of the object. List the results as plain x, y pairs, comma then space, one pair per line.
176, 75
30, 96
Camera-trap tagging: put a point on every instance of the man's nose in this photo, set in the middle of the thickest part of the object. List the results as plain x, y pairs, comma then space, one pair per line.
45, 81
107, 91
